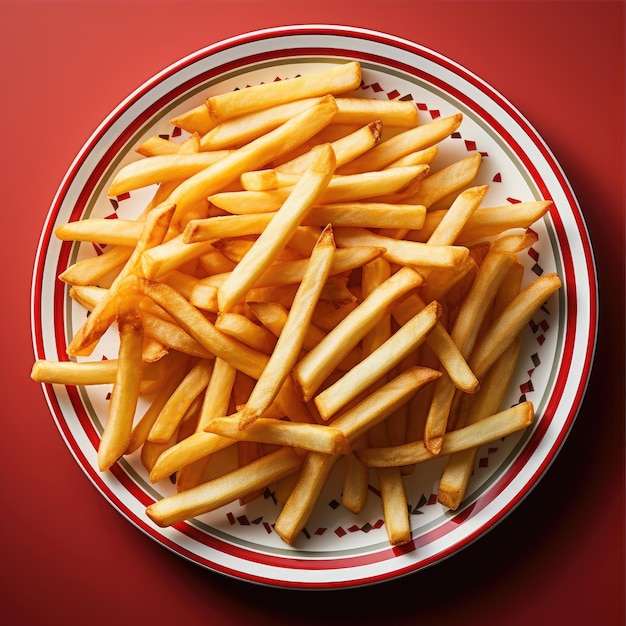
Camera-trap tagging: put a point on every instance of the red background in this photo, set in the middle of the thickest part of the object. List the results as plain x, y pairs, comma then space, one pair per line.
69, 557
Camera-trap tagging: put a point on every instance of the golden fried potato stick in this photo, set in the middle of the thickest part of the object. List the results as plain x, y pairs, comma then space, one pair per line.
346, 148
185, 452
83, 372
238, 131
192, 385
253, 155
305, 436
170, 256
464, 333
178, 366
452, 223
460, 466
102, 316
364, 214
404, 143
484, 431
92, 270
509, 323
403, 252
441, 344
367, 185
224, 489
291, 272
488, 222
449, 180
157, 145
382, 402
314, 473
161, 169
313, 369
355, 483
245, 330
126, 388
273, 316
392, 113
117, 232
289, 344
379, 362
420, 157
335, 80
278, 232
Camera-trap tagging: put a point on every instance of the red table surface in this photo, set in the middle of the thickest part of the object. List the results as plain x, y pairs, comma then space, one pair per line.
69, 557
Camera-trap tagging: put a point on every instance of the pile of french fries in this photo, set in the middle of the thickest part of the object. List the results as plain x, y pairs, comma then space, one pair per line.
305, 288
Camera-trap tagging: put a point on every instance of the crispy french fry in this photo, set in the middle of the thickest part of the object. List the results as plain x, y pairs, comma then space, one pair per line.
306, 436
402, 251
125, 393
398, 146
289, 344
161, 169
380, 361
316, 468
346, 148
74, 373
192, 385
449, 180
336, 80
245, 330
510, 322
279, 230
457, 473
228, 488
484, 431
312, 370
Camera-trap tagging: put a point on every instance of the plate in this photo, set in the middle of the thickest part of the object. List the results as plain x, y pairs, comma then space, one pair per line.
337, 549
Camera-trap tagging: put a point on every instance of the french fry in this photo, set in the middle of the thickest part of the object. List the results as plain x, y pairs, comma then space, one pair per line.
460, 465
238, 131
125, 393
305, 436
245, 330
336, 80
487, 222
141, 428
162, 169
464, 334
289, 344
279, 230
404, 143
91, 270
311, 371
346, 148
404, 252
202, 330
392, 113
192, 385
228, 488
510, 322
484, 431
380, 361
447, 181
367, 185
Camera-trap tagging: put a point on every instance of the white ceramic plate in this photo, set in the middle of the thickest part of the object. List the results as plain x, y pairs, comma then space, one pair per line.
337, 549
